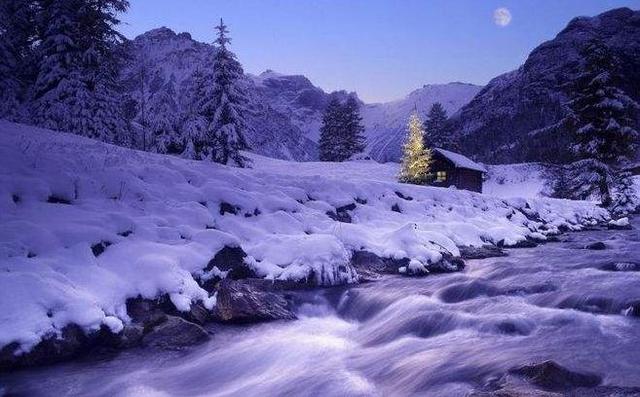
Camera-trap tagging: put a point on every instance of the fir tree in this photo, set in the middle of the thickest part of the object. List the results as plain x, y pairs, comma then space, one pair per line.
17, 36
434, 127
162, 122
227, 124
416, 158
329, 143
602, 119
76, 87
196, 143
625, 199
341, 133
353, 140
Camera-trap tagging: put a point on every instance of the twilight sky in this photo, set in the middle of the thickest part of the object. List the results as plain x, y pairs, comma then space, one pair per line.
382, 49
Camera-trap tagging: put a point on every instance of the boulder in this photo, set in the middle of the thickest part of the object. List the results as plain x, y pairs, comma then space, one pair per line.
175, 333
145, 312
231, 259
598, 245
370, 266
448, 264
246, 302
70, 343
341, 214
549, 375
619, 224
520, 244
486, 251
632, 309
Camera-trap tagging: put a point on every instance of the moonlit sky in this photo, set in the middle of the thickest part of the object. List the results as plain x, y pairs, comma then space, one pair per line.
382, 49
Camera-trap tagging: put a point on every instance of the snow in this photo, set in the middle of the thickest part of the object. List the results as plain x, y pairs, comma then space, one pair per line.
517, 180
160, 220
461, 161
622, 222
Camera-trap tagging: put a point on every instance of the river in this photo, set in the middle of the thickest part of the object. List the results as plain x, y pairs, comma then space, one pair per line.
443, 335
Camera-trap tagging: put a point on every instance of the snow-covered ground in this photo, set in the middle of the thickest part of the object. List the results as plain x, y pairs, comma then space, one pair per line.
160, 219
516, 180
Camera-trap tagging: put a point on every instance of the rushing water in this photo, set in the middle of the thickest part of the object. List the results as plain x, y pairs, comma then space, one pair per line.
443, 335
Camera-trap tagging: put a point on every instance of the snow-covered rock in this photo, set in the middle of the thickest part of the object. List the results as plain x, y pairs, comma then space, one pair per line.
159, 222
620, 224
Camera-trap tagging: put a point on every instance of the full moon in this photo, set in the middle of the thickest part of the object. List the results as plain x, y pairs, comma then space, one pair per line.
502, 16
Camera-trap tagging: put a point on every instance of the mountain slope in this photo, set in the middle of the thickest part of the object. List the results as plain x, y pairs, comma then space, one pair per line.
285, 110
166, 56
502, 123
386, 123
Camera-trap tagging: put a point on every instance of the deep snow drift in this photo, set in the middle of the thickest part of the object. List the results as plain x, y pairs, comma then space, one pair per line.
85, 225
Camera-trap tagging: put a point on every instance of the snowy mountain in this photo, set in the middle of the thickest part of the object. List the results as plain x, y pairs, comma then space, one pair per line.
503, 122
84, 226
166, 56
386, 123
286, 110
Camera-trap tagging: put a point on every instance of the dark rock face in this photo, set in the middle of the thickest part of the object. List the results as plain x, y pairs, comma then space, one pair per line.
341, 214
551, 376
519, 244
99, 248
231, 259
497, 124
598, 245
71, 343
145, 312
226, 208
632, 309
370, 266
175, 333
486, 251
247, 302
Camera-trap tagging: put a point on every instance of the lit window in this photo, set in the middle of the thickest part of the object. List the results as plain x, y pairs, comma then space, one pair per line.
441, 176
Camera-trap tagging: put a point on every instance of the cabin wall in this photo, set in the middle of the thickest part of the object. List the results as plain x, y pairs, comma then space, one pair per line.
440, 164
462, 178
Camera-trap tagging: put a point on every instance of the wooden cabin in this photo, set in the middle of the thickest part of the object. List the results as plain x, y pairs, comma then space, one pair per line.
454, 169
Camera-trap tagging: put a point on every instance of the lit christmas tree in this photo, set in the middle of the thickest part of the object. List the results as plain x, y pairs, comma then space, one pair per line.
416, 158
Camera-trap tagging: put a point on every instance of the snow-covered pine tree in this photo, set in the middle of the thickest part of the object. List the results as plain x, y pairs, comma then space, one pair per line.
196, 143
162, 110
353, 140
625, 199
17, 34
603, 118
227, 124
76, 87
434, 127
416, 158
330, 132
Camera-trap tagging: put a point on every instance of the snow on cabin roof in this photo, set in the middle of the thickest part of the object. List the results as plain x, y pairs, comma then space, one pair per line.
461, 161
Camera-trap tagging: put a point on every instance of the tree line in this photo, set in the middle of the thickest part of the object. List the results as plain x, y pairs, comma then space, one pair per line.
60, 68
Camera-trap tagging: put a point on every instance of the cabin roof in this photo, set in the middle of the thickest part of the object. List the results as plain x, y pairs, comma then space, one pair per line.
461, 161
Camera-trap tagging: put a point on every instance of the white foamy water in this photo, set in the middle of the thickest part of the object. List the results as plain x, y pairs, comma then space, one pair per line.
443, 335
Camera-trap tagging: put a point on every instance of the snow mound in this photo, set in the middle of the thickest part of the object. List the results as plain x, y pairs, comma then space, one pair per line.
85, 225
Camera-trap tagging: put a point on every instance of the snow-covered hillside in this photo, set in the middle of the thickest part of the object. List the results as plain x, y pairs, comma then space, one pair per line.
85, 225
517, 180
386, 123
